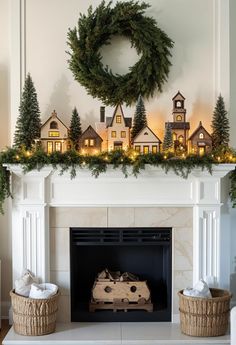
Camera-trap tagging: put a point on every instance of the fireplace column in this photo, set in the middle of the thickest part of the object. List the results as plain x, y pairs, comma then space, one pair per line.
30, 223
207, 250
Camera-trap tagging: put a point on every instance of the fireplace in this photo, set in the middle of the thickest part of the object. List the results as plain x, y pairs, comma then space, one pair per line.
46, 205
146, 252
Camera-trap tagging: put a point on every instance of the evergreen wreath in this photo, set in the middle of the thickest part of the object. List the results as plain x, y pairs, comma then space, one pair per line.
97, 29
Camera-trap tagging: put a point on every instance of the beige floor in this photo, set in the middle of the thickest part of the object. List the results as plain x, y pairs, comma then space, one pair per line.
4, 330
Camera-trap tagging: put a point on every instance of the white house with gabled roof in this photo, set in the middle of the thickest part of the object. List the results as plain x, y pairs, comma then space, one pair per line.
146, 141
54, 134
118, 130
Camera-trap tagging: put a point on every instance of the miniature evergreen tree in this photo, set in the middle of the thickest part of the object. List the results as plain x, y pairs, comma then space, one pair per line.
75, 128
220, 125
167, 142
28, 123
140, 118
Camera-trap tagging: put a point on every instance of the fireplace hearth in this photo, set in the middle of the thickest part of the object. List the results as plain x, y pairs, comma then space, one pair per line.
146, 252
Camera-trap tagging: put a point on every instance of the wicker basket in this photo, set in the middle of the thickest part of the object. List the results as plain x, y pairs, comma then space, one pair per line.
205, 317
34, 316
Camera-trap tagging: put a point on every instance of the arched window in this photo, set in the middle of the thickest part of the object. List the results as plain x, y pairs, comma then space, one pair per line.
178, 104
53, 125
174, 136
201, 136
181, 139
178, 118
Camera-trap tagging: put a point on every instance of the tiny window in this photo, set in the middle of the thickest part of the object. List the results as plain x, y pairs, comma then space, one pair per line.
58, 146
178, 118
53, 134
53, 125
154, 148
137, 148
174, 136
113, 134
123, 134
181, 139
201, 136
146, 149
146, 133
91, 142
118, 118
178, 104
86, 142
49, 147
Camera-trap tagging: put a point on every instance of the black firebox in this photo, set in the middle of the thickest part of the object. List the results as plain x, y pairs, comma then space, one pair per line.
145, 252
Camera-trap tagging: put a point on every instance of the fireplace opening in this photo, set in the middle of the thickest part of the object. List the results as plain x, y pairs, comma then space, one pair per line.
143, 252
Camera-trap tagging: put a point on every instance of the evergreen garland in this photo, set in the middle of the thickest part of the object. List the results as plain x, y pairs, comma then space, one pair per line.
140, 118
75, 130
28, 123
168, 141
97, 29
129, 162
220, 125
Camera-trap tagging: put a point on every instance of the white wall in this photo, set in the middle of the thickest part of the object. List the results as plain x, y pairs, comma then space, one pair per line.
5, 230
199, 71
190, 23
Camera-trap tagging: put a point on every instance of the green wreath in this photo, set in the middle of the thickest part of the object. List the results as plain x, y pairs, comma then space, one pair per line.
97, 29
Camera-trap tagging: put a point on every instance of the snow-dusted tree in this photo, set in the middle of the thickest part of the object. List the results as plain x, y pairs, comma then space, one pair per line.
168, 141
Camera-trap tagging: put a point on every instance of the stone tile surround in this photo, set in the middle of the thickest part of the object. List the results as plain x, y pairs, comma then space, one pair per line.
61, 218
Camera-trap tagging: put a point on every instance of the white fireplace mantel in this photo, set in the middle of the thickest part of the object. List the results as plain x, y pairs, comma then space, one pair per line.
36, 191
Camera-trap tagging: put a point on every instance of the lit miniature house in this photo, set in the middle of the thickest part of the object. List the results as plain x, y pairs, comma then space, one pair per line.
200, 141
118, 130
146, 141
54, 135
90, 142
179, 126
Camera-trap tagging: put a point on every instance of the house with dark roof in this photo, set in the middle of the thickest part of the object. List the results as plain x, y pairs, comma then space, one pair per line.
90, 142
200, 141
179, 126
54, 134
146, 141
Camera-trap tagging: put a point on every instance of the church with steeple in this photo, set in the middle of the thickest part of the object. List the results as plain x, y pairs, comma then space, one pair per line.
179, 126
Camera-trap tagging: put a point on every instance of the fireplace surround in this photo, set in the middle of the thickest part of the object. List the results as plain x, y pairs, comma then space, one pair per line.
46, 204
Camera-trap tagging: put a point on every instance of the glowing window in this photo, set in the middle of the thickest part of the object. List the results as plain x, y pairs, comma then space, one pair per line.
201, 136
154, 148
58, 146
91, 142
113, 134
123, 134
53, 134
86, 142
53, 125
201, 151
146, 149
181, 139
49, 147
174, 136
179, 118
118, 118
137, 148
